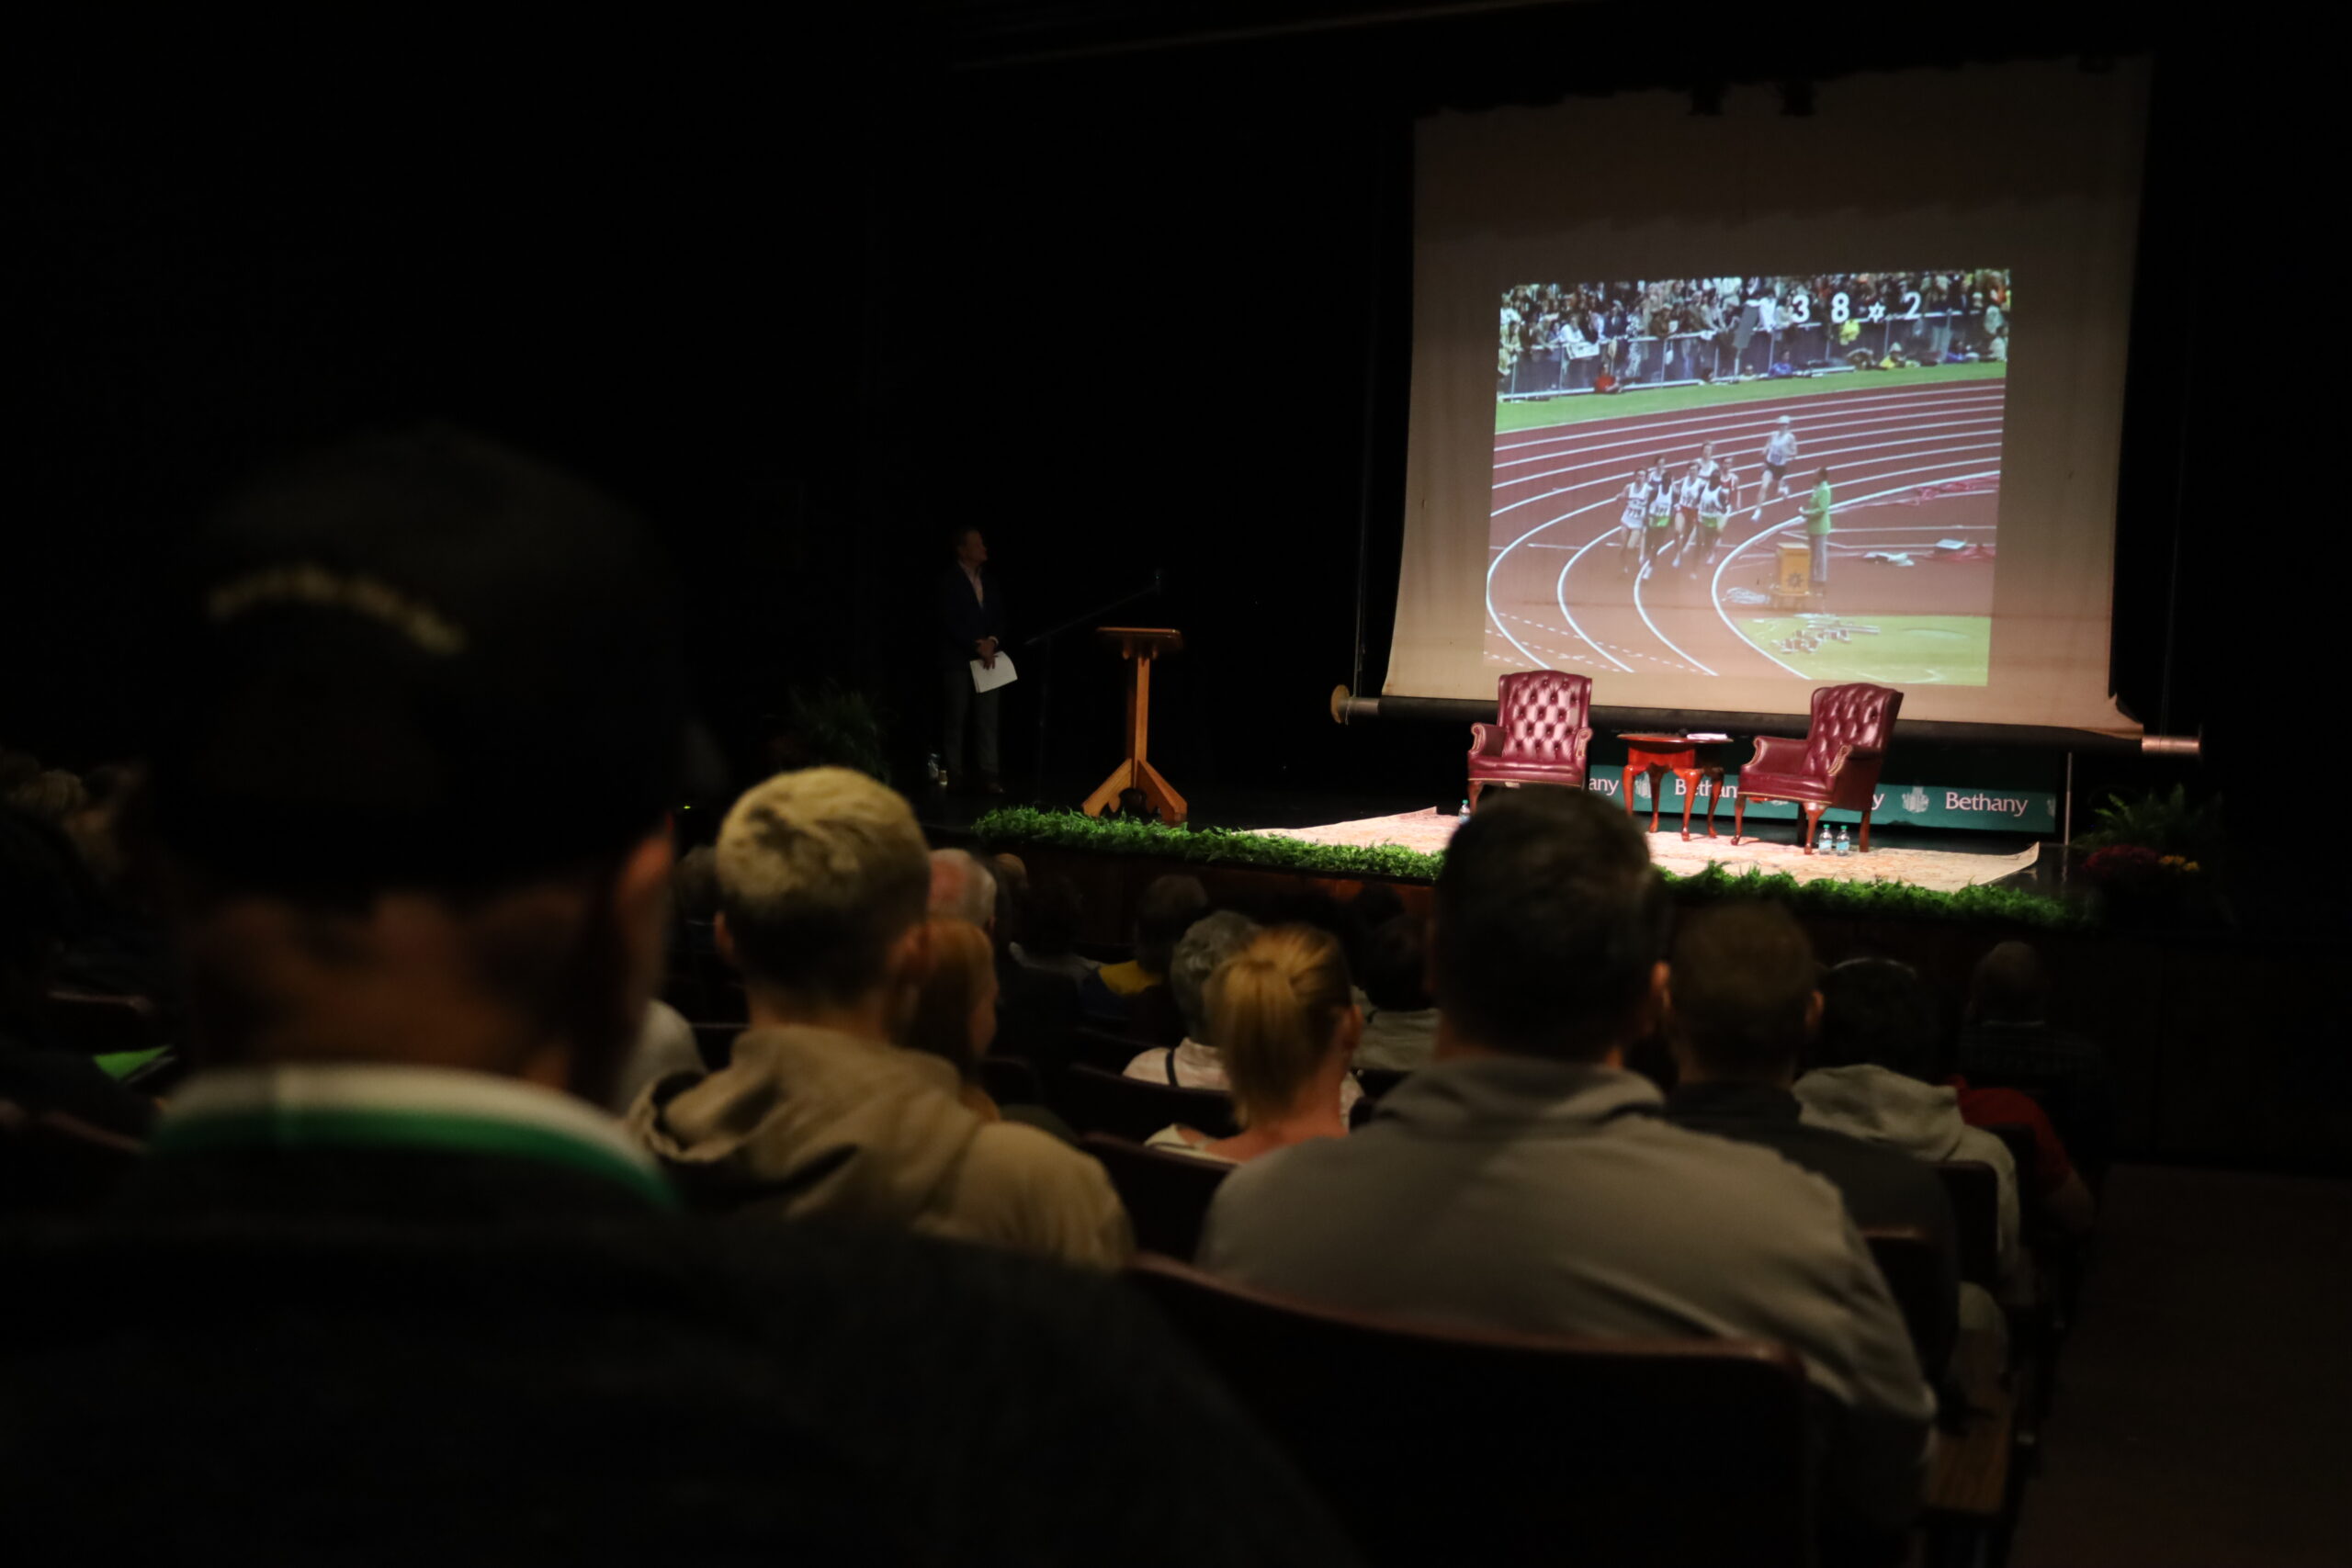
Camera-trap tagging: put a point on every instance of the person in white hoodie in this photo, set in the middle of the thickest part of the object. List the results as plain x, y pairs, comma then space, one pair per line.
1879, 1077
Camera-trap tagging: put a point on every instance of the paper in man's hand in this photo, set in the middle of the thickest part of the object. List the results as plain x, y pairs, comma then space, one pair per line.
987, 679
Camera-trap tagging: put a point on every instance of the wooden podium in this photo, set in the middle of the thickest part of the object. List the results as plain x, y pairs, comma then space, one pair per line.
1139, 646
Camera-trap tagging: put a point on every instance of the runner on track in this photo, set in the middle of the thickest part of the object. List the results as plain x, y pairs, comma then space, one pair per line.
1660, 531
1685, 512
1714, 504
1636, 512
1779, 451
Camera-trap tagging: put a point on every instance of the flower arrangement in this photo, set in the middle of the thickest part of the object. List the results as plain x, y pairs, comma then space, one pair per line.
2137, 870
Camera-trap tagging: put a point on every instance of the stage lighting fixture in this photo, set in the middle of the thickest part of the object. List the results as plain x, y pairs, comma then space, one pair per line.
1796, 98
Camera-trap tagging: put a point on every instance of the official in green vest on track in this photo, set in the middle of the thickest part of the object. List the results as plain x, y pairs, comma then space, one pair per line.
1816, 527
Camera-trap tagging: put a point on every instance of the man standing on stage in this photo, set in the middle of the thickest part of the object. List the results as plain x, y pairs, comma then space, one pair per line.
971, 626
1816, 527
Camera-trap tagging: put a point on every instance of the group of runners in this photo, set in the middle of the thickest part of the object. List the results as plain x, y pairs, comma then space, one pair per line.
1678, 520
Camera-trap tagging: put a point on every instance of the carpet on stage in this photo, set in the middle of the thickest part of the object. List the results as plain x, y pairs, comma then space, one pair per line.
1945, 871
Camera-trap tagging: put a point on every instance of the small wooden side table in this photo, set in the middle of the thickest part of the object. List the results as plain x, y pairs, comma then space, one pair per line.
1657, 755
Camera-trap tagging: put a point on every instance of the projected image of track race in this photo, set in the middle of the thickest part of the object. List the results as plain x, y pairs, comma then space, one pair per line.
1750, 476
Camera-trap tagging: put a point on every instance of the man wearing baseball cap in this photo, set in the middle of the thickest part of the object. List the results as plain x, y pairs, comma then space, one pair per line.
388, 1286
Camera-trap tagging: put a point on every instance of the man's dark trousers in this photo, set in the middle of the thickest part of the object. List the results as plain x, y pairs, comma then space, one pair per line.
956, 689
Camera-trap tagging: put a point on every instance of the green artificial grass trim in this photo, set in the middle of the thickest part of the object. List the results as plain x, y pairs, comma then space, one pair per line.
1011, 826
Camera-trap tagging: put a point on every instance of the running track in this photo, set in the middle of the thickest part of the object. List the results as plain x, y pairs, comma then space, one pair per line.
1557, 594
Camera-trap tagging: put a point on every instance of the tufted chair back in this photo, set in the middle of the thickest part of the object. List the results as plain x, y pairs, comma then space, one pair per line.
1855, 715
1540, 712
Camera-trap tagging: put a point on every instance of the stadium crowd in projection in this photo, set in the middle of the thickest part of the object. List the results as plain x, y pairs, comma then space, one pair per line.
1750, 476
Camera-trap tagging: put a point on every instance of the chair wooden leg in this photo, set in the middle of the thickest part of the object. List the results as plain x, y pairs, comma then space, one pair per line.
1812, 819
1738, 817
1865, 848
1476, 785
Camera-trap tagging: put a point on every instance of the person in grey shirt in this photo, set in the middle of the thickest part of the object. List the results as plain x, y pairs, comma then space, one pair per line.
1524, 1180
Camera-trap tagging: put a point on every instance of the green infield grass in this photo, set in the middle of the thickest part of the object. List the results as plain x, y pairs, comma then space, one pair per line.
1575, 408
1893, 650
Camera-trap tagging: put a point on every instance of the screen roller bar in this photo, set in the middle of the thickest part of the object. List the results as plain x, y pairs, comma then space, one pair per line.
1347, 708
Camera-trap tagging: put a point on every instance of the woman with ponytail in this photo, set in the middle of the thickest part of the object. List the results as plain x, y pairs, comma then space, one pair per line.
1285, 1022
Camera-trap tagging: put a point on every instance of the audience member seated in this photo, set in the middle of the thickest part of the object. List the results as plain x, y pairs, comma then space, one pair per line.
39, 899
664, 1049
693, 893
1049, 921
1523, 1181
2061, 1195
822, 883
962, 888
1114, 993
2007, 1042
54, 797
1400, 1025
1288, 1023
1196, 1061
388, 1196
955, 1011
1880, 1078
1743, 1001
16, 769
1035, 1010
2006, 1035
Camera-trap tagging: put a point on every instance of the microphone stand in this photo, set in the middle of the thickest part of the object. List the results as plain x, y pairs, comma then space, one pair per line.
1045, 641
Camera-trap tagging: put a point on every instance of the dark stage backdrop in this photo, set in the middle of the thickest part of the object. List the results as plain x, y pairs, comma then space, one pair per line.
808, 303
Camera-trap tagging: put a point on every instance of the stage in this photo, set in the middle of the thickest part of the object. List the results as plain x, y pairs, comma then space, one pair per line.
1943, 869
1939, 859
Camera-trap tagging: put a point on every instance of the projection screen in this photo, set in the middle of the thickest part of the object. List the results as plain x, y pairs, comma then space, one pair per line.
1717, 408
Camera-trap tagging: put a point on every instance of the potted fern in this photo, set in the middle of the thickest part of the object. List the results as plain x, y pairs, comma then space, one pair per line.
2156, 858
831, 725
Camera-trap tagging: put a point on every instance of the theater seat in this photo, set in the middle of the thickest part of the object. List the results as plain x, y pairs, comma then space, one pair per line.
1133, 1108
1444, 1445
52, 1162
1167, 1194
1975, 1193
102, 1025
1913, 1268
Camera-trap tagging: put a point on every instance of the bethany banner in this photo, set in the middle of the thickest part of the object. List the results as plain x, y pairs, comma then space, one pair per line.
1925, 806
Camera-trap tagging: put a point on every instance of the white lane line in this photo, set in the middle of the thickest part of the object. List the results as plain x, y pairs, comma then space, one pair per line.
1715, 584
1643, 610
1497, 616
1920, 391
1821, 454
1941, 411
1824, 443
1644, 449
1560, 593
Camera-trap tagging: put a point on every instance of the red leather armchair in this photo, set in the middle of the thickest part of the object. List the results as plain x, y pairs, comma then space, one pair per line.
1837, 763
1540, 735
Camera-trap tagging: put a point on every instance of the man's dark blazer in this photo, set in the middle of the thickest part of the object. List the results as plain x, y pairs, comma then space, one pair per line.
964, 620
406, 1357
